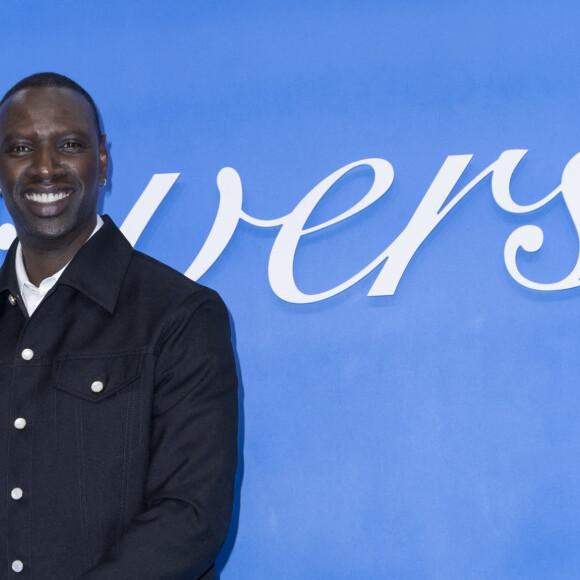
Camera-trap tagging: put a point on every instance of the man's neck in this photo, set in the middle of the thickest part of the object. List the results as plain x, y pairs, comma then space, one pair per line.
42, 266
43, 258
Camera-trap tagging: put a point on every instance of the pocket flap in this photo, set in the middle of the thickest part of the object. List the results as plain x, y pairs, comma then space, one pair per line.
96, 378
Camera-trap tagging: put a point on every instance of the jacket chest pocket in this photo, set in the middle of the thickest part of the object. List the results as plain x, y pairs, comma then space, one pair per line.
96, 379
98, 403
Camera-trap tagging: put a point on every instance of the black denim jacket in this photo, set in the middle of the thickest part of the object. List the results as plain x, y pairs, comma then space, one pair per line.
126, 380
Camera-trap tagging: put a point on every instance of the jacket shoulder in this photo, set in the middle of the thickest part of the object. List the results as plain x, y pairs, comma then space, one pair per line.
164, 283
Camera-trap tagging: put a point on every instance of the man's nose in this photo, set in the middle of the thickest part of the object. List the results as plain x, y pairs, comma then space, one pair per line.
46, 162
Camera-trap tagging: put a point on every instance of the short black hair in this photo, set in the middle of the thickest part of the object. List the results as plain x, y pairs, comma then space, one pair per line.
54, 80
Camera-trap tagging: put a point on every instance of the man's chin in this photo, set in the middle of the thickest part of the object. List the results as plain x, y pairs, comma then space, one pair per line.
51, 232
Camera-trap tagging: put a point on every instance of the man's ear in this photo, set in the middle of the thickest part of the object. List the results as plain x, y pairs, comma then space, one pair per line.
103, 159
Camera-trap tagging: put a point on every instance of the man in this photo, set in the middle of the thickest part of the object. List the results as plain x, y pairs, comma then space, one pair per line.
118, 388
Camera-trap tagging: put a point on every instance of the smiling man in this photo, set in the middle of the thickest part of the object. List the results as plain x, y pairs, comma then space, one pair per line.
118, 399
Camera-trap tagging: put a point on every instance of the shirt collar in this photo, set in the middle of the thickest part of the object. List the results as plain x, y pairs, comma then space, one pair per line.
97, 270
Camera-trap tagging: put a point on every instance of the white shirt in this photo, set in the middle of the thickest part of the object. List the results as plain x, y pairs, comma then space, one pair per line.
33, 295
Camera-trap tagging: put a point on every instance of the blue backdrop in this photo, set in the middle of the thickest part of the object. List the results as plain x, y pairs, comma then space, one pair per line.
428, 434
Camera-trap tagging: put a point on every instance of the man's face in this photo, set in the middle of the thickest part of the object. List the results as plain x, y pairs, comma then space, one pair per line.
51, 163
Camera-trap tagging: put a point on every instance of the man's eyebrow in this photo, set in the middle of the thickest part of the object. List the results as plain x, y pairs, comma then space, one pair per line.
62, 135
12, 136
74, 132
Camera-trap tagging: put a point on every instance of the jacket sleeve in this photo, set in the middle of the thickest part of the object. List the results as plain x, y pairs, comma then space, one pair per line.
190, 483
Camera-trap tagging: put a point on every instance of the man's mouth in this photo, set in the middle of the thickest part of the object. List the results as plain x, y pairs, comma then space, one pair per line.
46, 197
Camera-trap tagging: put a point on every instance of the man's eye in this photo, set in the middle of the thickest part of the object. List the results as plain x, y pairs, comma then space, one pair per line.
72, 146
19, 149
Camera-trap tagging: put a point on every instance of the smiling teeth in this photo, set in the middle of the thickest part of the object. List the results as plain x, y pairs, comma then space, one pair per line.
46, 197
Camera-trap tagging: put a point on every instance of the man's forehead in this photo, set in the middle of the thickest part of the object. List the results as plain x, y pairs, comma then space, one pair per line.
41, 104
34, 96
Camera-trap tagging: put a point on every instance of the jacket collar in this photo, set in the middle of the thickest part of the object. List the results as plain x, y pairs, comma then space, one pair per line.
97, 270
8, 280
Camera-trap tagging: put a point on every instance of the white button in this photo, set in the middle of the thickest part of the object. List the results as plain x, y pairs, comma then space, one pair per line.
20, 423
97, 387
17, 566
16, 493
27, 354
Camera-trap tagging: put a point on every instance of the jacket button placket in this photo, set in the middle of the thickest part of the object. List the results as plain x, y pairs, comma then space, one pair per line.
26, 378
